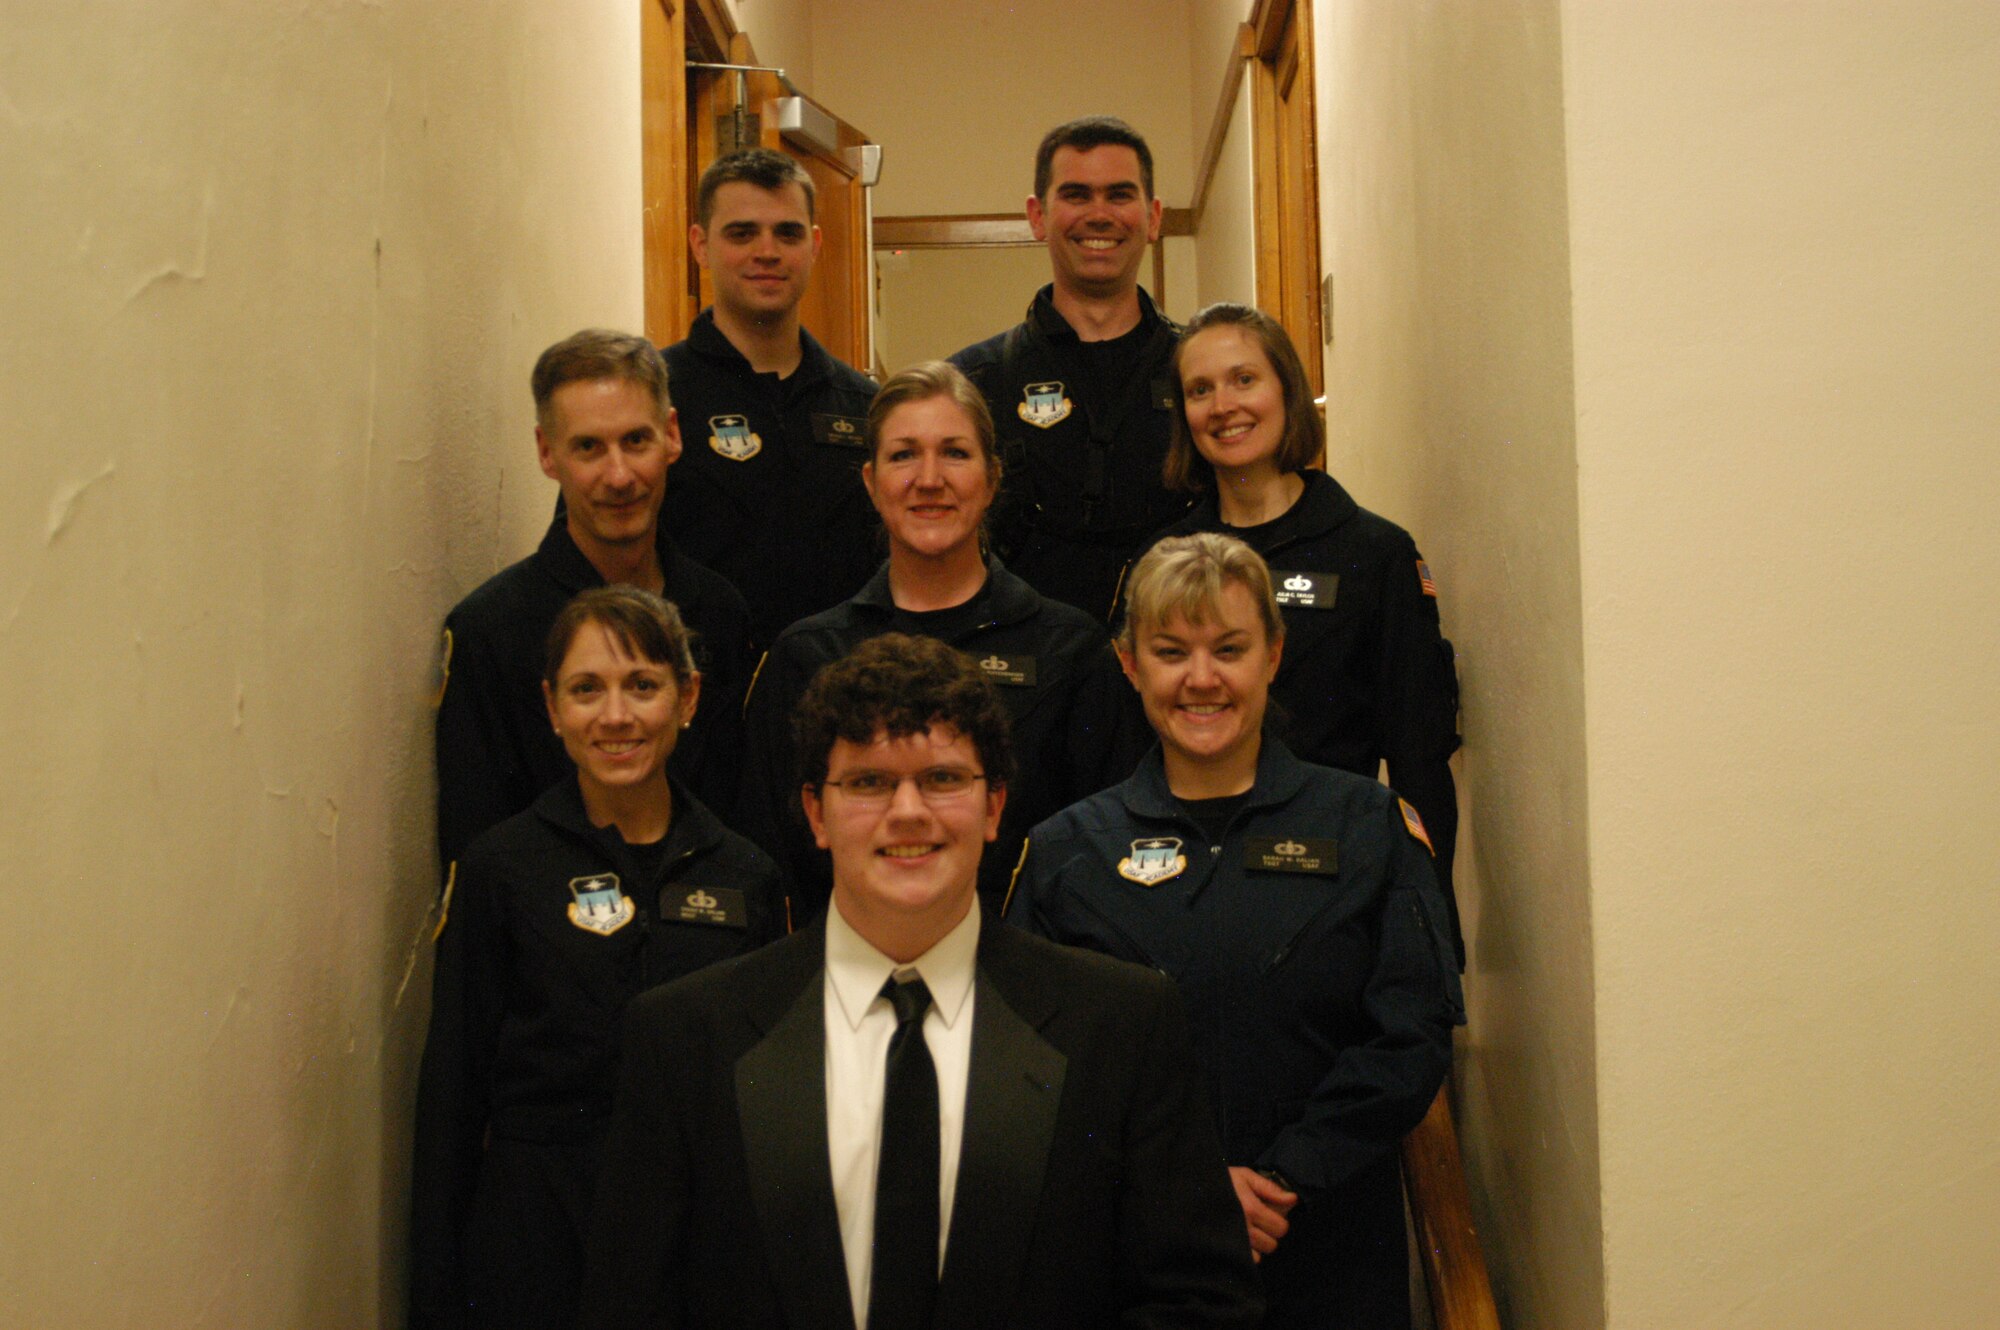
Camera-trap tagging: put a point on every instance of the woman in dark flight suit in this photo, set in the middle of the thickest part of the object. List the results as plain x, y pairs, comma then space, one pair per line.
1367, 675
1296, 907
932, 473
607, 885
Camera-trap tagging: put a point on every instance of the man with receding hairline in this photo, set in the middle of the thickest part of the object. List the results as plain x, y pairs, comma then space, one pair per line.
605, 432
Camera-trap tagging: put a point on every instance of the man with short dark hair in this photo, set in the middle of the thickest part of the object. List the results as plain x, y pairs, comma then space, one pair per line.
907, 1115
1079, 392
768, 491
606, 433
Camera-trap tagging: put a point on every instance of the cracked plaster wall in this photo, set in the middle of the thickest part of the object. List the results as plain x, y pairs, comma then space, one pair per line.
274, 276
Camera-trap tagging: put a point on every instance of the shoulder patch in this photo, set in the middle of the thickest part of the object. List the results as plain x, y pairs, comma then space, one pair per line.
1424, 582
444, 671
1415, 825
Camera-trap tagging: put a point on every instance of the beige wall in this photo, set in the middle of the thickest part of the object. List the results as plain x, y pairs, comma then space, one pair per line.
1668, 329
970, 97
781, 33
273, 278
1787, 304
1226, 247
1451, 411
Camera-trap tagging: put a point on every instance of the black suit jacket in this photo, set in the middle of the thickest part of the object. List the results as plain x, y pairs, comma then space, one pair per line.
1091, 1188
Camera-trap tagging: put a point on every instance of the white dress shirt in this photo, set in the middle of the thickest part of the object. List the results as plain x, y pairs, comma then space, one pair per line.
859, 1024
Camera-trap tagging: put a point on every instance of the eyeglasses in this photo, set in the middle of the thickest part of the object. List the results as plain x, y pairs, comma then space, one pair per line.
934, 784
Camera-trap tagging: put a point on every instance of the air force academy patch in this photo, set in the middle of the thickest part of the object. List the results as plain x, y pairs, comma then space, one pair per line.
1153, 861
599, 906
733, 439
1043, 405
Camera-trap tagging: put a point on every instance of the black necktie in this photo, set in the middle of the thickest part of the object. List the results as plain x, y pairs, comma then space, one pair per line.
903, 1282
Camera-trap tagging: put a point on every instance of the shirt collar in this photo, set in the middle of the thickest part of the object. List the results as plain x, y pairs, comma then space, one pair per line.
857, 970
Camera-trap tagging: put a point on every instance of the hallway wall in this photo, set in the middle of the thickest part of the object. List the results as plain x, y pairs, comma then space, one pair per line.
274, 277
1787, 309
1668, 329
1450, 410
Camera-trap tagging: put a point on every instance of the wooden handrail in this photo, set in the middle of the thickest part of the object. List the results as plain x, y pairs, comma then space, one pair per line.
1441, 1210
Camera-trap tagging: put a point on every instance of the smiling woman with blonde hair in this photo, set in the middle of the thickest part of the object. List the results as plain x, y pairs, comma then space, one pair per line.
1368, 677
1297, 909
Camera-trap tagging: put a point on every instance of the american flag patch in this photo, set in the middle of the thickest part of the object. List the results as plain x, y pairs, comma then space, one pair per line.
1416, 826
1430, 588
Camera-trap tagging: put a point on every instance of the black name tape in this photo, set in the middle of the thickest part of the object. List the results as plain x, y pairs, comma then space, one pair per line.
1292, 854
1305, 591
847, 431
1018, 671
720, 906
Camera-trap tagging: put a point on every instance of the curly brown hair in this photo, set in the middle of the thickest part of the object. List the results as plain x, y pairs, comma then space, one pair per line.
896, 685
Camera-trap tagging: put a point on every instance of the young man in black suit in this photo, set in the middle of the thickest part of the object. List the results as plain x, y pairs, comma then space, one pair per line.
907, 1116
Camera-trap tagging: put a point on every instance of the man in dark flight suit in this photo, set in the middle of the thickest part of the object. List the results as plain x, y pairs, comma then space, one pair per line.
1080, 392
772, 1162
605, 433
768, 491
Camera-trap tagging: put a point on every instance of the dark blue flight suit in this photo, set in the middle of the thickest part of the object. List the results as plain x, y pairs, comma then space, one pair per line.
767, 490
1308, 943
534, 969
1367, 674
1083, 429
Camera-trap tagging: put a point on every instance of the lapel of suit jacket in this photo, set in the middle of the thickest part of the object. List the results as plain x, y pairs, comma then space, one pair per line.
781, 1103
1012, 1093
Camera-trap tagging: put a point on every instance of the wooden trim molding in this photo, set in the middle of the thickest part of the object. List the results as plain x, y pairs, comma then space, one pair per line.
1218, 125
987, 230
1267, 25
709, 29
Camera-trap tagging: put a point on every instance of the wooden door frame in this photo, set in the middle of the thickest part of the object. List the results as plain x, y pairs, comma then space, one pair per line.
670, 292
1274, 66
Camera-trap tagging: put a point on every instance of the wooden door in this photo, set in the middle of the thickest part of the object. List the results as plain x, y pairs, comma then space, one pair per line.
1287, 178
690, 120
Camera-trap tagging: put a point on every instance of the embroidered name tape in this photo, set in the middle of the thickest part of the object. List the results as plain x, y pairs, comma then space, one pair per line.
1292, 854
1305, 591
722, 907
1019, 671
843, 431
